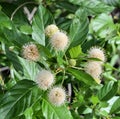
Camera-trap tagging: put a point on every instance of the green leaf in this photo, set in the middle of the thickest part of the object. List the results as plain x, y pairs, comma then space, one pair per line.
108, 91
14, 59
26, 29
95, 7
30, 69
53, 112
60, 60
75, 51
68, 6
28, 113
113, 2
40, 20
116, 106
76, 2
38, 26
18, 99
82, 76
109, 76
102, 25
79, 28
11, 33
44, 51
5, 21
116, 117
15, 37
94, 99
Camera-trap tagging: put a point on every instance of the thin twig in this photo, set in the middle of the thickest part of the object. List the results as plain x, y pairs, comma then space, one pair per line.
3, 69
30, 15
63, 77
76, 68
19, 8
69, 92
66, 59
58, 72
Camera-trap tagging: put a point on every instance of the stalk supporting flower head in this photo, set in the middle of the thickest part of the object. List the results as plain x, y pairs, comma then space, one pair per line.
57, 96
45, 79
50, 30
97, 52
59, 41
94, 69
30, 52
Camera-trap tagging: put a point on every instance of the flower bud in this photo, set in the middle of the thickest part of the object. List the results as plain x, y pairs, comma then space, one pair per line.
72, 62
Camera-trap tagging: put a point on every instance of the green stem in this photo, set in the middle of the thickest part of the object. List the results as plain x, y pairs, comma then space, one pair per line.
76, 68
63, 78
66, 59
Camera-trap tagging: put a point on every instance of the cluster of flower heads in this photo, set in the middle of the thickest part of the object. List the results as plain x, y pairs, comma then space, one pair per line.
45, 80
94, 68
58, 40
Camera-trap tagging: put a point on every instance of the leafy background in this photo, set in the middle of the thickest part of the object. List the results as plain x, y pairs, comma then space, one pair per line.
87, 23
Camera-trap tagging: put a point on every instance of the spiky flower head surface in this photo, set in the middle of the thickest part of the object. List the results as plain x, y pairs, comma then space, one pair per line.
57, 96
94, 69
59, 41
45, 79
50, 30
30, 52
97, 52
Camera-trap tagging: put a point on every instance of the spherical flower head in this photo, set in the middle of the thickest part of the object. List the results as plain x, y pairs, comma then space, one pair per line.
45, 79
57, 96
50, 30
30, 52
96, 52
59, 41
94, 69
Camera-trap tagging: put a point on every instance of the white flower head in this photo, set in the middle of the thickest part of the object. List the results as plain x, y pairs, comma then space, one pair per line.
45, 79
97, 52
59, 41
50, 30
94, 69
30, 52
57, 96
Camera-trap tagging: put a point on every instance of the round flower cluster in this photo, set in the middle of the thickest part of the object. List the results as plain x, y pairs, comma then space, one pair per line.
97, 52
58, 40
50, 30
30, 52
57, 96
45, 80
94, 68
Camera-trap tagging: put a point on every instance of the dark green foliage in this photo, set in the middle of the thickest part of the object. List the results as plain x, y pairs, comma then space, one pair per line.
87, 23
